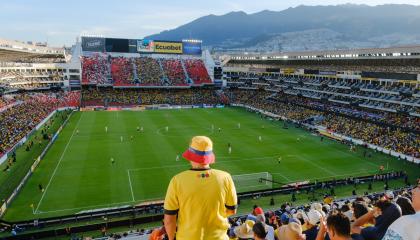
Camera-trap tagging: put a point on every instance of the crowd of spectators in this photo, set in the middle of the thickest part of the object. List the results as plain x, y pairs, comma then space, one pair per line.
142, 71
95, 69
174, 71
197, 71
131, 97
122, 71
365, 217
17, 121
385, 130
381, 95
149, 71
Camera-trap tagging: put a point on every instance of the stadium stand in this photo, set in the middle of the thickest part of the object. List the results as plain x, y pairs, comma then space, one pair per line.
149, 71
17, 121
95, 70
174, 71
197, 71
122, 71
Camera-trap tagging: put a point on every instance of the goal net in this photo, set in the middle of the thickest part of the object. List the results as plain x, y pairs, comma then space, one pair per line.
253, 181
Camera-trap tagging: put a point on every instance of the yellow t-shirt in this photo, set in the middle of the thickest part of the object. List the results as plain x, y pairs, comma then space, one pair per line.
201, 199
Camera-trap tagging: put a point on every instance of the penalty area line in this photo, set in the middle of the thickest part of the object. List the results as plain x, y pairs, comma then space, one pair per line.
131, 186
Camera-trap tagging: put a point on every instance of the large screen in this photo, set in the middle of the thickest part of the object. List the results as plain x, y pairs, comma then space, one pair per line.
116, 45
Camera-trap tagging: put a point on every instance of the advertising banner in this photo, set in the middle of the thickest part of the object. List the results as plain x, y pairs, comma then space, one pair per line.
168, 47
145, 45
192, 48
93, 44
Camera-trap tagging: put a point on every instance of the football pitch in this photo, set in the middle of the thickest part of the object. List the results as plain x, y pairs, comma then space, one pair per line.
91, 168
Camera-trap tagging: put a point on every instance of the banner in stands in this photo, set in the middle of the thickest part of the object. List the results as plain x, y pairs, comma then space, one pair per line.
192, 48
145, 45
168, 47
93, 44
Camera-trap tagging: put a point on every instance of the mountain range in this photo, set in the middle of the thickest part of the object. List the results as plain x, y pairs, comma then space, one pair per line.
305, 28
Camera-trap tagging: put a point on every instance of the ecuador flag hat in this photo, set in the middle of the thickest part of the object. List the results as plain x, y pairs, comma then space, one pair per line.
200, 150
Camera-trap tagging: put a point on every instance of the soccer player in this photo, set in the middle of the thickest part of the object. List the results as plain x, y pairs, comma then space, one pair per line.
239, 125
260, 138
121, 138
138, 128
167, 128
141, 129
112, 161
229, 148
298, 139
77, 132
220, 129
132, 137
106, 129
177, 158
40, 187
279, 159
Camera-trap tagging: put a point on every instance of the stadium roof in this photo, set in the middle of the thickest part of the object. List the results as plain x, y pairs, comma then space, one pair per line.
12, 51
372, 53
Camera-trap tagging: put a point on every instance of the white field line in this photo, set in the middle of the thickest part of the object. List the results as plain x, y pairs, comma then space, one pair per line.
131, 185
58, 164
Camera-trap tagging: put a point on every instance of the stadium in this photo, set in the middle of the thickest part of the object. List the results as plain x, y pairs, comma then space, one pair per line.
92, 135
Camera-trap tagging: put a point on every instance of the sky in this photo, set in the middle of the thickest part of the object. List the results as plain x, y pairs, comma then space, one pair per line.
61, 22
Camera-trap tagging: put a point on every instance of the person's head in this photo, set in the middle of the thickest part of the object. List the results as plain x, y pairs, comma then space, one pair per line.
382, 205
405, 205
291, 231
338, 226
200, 152
284, 218
359, 209
259, 231
261, 218
314, 217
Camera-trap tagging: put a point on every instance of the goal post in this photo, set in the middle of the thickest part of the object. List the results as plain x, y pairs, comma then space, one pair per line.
253, 181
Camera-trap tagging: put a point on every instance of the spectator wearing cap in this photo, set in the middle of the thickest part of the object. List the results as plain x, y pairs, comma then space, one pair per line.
291, 231
198, 201
337, 226
314, 218
407, 227
244, 231
384, 214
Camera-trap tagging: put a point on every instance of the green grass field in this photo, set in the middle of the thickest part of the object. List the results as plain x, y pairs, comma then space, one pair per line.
78, 175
